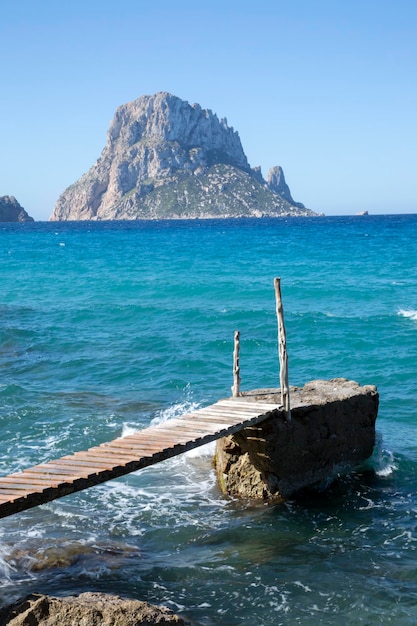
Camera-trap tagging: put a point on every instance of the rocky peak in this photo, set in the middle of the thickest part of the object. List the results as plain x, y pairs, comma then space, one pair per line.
11, 211
166, 118
276, 182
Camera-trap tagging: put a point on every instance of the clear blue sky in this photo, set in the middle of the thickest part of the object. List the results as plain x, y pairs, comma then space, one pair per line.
325, 88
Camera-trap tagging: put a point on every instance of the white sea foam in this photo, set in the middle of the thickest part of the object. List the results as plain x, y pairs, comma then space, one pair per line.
172, 412
370, 504
410, 313
127, 430
306, 588
164, 415
95, 572
202, 451
6, 570
177, 410
383, 461
57, 509
387, 470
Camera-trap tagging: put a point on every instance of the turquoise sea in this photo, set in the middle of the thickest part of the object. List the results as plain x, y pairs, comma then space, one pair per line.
107, 327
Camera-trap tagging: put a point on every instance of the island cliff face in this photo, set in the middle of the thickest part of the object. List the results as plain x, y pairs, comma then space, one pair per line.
167, 159
11, 211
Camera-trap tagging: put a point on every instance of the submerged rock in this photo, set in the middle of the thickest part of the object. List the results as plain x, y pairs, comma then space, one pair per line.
46, 554
88, 609
332, 430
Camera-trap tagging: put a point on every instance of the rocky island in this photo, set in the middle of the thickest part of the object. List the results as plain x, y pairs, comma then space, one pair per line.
167, 159
11, 211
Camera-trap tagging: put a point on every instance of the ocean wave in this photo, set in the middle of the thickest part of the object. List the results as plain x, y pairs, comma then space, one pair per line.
410, 313
188, 405
175, 410
6, 569
382, 460
387, 470
164, 415
154, 416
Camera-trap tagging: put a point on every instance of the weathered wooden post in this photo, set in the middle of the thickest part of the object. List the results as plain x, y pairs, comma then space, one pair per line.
236, 367
282, 349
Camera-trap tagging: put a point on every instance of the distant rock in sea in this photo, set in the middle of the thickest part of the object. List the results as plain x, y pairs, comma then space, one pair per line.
167, 159
11, 211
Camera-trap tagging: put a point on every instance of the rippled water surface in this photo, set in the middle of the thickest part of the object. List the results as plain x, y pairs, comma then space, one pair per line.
107, 327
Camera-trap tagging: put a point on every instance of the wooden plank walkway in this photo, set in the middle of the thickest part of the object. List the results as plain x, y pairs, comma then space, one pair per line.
54, 479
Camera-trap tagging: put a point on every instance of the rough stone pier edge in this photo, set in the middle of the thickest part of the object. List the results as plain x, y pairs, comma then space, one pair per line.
332, 430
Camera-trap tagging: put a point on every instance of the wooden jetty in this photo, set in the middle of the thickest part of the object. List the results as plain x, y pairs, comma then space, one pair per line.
54, 479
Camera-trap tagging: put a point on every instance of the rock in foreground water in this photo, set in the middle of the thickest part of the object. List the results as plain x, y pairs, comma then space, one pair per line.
87, 609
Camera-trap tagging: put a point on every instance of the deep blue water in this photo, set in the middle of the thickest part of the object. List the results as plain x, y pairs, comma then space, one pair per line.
108, 326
